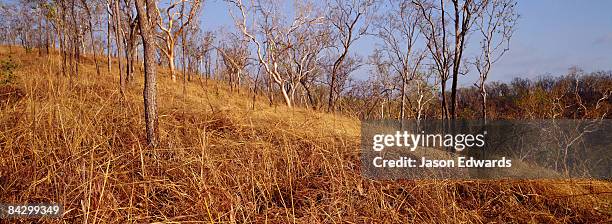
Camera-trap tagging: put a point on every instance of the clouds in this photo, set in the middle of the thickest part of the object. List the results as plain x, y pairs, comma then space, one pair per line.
605, 39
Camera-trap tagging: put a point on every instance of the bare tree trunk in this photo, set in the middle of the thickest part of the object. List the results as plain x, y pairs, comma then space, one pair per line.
444, 107
198, 63
334, 75
40, 34
453, 109
207, 65
146, 21
91, 34
69, 52
184, 56
255, 88
48, 38
108, 44
270, 91
10, 40
75, 40
184, 77
483, 94
132, 60
184, 48
119, 43
171, 65
419, 109
286, 96
126, 53
130, 44
309, 94
62, 46
456, 64
461, 30
403, 103
330, 102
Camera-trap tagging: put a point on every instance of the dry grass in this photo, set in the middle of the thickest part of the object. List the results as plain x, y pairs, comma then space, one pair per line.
80, 145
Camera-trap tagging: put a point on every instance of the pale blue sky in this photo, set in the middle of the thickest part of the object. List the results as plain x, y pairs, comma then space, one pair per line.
552, 36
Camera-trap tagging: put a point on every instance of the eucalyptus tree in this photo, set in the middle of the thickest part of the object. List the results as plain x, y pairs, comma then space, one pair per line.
175, 18
398, 29
146, 22
349, 22
495, 25
277, 38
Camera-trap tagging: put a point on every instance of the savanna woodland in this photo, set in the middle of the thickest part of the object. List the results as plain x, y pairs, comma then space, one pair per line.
132, 111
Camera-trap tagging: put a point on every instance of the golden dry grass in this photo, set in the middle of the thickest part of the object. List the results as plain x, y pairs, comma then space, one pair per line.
80, 145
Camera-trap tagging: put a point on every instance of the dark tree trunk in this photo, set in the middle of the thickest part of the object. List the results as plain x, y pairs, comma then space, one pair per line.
48, 38
146, 21
91, 34
108, 44
330, 102
453, 109
119, 43
483, 94
313, 103
76, 40
40, 35
444, 107
403, 101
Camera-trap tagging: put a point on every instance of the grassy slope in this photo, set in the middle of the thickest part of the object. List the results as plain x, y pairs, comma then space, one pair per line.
80, 145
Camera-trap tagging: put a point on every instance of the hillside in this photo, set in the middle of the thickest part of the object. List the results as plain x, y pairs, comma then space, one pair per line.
74, 141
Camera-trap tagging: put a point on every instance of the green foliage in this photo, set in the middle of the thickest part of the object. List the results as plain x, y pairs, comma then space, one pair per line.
7, 69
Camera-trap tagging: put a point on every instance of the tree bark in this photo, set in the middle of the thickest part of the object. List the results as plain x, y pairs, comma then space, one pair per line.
48, 38
332, 85
309, 94
184, 48
108, 44
75, 41
461, 30
286, 96
170, 57
270, 91
119, 43
91, 34
40, 34
146, 21
403, 103
456, 64
330, 102
483, 94
444, 107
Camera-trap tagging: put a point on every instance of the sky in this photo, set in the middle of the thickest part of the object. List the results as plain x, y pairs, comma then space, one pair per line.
551, 37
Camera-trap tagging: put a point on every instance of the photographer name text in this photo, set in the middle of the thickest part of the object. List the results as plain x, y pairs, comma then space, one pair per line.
424, 162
